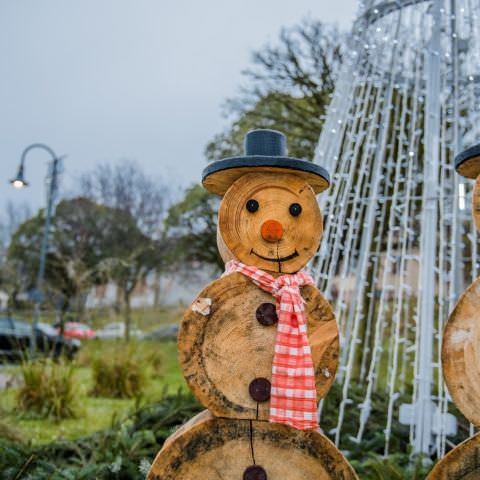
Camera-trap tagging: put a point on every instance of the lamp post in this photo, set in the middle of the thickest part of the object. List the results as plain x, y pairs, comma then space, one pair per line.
52, 181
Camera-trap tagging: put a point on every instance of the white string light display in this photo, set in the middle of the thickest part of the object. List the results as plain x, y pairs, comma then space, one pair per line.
397, 216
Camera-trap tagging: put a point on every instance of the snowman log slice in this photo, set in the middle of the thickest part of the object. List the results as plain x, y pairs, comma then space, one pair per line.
208, 448
476, 203
223, 352
461, 353
271, 221
461, 463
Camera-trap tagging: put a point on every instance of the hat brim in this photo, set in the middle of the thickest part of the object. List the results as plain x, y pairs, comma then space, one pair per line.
467, 163
218, 176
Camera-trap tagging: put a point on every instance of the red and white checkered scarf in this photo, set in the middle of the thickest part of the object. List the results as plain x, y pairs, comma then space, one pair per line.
293, 397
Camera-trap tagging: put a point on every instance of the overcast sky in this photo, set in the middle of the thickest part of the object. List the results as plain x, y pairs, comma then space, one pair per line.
102, 80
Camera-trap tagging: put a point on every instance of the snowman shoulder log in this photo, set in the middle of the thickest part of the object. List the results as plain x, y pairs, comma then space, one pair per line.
226, 341
207, 445
461, 353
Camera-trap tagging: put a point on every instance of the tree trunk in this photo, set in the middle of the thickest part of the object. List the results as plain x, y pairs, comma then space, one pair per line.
63, 311
156, 289
227, 340
207, 448
127, 314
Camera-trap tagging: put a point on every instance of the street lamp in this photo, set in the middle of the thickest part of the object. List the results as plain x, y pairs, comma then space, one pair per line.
52, 181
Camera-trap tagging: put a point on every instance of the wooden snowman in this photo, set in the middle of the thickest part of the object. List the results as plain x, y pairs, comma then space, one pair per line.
461, 353
259, 346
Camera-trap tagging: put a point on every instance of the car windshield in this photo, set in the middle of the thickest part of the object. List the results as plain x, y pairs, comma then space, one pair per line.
47, 329
23, 328
113, 326
6, 323
77, 326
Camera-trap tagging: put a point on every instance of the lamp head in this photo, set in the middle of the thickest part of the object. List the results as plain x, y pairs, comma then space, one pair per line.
19, 181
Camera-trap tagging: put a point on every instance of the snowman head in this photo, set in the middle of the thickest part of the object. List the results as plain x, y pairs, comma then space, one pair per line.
269, 216
270, 220
467, 164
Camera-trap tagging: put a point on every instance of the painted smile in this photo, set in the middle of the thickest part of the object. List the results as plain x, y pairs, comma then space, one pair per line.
276, 260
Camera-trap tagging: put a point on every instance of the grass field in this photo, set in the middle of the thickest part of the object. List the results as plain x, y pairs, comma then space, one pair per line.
97, 413
146, 318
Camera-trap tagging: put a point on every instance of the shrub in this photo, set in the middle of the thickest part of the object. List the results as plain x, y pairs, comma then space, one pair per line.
49, 389
120, 372
396, 467
9, 432
154, 357
120, 452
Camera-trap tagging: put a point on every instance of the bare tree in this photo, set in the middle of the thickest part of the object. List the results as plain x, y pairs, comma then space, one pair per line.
125, 186
289, 87
142, 202
14, 215
12, 276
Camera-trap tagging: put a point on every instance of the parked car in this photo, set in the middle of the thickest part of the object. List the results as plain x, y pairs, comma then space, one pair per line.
16, 337
165, 332
78, 330
117, 330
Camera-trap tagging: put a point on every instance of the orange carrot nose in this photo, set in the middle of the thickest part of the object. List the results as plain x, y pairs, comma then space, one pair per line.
272, 231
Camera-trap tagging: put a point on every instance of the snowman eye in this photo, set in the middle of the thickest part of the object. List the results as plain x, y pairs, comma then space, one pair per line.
252, 206
295, 209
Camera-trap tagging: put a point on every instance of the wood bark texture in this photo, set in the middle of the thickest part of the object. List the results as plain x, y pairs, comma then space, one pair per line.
461, 353
463, 462
476, 203
241, 229
223, 352
215, 448
469, 168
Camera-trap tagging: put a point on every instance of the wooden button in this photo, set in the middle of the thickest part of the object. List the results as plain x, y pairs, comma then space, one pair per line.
255, 472
259, 389
267, 314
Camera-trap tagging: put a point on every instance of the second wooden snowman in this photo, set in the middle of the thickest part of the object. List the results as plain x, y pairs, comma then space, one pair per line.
461, 352
259, 346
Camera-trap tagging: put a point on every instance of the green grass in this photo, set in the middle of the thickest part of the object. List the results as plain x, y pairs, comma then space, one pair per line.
95, 413
146, 319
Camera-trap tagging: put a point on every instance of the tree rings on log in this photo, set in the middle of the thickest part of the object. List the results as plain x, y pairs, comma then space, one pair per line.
461, 353
223, 352
476, 203
463, 462
228, 449
284, 200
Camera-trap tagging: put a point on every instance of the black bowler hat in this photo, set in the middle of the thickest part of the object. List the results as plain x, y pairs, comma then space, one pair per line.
265, 151
467, 163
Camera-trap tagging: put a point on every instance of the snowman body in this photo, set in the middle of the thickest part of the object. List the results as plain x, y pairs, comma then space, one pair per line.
461, 352
269, 219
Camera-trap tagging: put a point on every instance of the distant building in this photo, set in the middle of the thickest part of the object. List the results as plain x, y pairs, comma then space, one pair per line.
166, 289
388, 281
